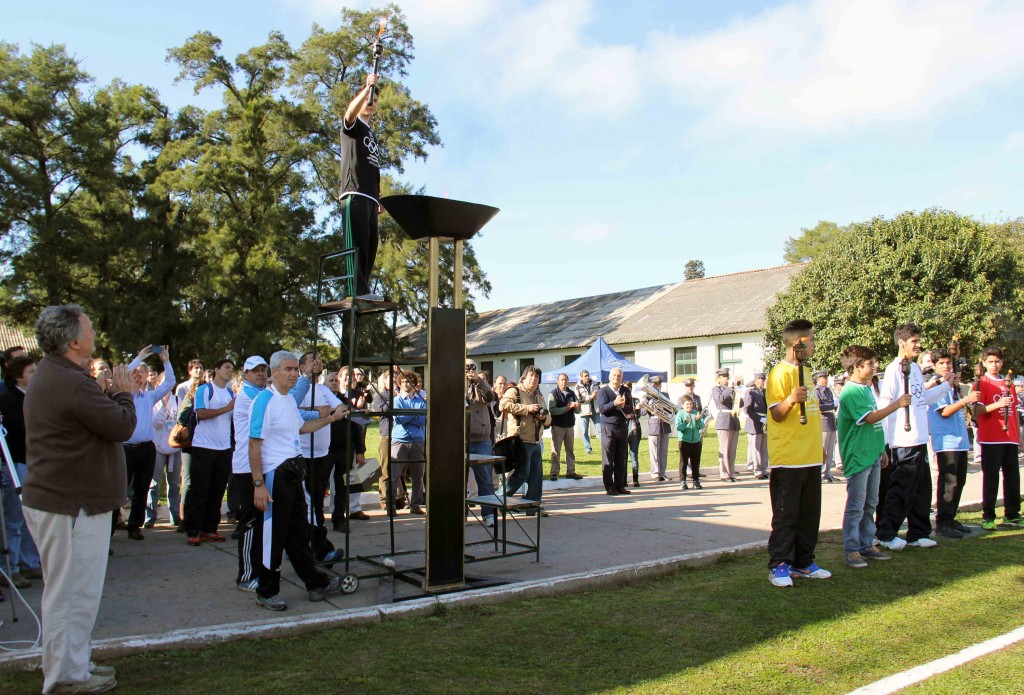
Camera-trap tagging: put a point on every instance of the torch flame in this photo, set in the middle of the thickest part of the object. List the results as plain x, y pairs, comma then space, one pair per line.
383, 23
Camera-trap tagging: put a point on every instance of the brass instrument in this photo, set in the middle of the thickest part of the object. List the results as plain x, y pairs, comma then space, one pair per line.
658, 405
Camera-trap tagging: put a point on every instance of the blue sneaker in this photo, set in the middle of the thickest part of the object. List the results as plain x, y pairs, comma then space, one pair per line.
812, 571
336, 555
780, 575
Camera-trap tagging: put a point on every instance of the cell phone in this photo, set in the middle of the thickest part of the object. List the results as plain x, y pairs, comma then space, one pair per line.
156, 349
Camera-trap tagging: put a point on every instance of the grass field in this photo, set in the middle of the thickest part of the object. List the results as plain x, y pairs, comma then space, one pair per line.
719, 629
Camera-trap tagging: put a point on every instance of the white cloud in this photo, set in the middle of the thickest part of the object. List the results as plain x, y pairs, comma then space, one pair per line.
428, 19
829, 64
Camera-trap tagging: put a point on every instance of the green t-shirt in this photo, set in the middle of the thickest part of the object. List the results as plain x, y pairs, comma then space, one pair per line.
860, 444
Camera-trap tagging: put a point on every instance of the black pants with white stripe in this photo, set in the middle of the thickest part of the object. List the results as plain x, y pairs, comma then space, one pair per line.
250, 522
318, 477
286, 529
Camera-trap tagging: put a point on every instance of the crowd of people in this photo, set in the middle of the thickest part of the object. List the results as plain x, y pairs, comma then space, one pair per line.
273, 437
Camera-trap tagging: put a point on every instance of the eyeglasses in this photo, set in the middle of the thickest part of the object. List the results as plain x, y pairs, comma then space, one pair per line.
470, 367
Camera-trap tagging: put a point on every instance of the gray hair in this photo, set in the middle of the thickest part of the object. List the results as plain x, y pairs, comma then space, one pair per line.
57, 326
280, 356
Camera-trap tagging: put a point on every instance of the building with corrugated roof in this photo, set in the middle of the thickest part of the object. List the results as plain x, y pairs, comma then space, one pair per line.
12, 335
689, 329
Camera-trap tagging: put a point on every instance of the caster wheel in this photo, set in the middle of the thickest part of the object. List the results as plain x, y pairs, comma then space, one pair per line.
349, 584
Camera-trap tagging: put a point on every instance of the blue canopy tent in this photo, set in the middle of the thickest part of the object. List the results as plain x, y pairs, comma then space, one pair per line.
599, 360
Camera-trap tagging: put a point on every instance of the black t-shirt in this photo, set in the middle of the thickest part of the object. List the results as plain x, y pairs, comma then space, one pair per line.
360, 166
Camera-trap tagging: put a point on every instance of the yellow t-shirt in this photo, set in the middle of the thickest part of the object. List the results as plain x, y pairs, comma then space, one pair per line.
790, 444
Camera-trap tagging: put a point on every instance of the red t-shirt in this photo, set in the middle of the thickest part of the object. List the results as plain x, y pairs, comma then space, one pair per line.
990, 425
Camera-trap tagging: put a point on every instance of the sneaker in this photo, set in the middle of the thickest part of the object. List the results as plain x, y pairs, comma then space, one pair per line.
948, 531
988, 524
271, 603
812, 571
489, 521
17, 580
896, 544
1016, 521
95, 683
211, 537
250, 585
872, 554
336, 555
855, 559
779, 575
552, 478
195, 540
320, 593
923, 542
684, 486
697, 485
575, 476
101, 670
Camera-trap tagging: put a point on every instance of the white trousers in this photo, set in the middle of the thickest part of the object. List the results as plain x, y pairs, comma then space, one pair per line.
74, 554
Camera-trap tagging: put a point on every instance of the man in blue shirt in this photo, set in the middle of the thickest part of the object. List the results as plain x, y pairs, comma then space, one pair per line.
139, 450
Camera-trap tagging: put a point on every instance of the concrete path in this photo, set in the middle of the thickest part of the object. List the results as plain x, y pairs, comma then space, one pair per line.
161, 584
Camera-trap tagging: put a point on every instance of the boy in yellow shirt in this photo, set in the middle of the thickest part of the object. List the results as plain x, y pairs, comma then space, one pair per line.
796, 455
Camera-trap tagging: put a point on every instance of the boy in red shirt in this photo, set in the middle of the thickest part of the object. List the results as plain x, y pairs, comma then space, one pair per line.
996, 415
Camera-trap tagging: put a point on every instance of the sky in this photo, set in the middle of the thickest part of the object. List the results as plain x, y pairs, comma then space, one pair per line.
622, 139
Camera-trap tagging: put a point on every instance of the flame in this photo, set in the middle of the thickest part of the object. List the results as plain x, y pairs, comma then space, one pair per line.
383, 24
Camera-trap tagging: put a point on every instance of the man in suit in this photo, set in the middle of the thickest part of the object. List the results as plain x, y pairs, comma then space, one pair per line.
615, 404
727, 425
756, 408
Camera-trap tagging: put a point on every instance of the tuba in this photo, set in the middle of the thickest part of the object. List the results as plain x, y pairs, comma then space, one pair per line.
657, 404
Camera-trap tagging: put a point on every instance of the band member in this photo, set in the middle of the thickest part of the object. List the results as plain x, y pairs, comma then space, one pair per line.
615, 403
827, 405
360, 186
658, 433
727, 425
756, 408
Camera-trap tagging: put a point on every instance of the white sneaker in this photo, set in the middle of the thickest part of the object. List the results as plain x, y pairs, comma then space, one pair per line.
895, 544
925, 542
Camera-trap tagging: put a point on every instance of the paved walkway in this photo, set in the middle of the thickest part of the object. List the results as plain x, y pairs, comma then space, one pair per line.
161, 584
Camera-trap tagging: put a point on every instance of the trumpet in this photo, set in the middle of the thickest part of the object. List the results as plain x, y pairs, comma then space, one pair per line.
658, 405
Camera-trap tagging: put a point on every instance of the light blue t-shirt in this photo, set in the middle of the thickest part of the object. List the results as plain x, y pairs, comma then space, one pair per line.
948, 433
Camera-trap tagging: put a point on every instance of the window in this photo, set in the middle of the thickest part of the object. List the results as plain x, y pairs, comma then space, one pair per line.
523, 364
569, 359
730, 355
488, 366
684, 361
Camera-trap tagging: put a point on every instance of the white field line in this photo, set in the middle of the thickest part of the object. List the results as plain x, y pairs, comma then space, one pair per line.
947, 663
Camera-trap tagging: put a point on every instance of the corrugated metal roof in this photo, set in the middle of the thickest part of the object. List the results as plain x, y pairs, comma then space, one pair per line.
11, 336
734, 303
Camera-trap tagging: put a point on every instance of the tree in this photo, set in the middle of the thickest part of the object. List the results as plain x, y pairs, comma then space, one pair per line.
809, 244
693, 270
951, 275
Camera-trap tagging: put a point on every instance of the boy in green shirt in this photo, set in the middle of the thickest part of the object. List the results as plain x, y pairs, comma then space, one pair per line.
862, 446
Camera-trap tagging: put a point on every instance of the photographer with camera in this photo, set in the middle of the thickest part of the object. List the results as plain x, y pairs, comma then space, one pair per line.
523, 408
479, 396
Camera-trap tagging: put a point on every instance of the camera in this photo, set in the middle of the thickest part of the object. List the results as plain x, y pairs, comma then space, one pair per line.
156, 349
543, 412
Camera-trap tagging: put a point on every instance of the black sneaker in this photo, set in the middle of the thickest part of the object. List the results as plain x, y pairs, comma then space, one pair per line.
948, 531
966, 530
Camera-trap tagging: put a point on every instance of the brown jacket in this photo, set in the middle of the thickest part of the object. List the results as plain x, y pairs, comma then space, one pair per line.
518, 419
74, 433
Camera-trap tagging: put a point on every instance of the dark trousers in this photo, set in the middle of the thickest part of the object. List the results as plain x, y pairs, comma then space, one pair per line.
360, 219
689, 455
139, 460
613, 457
796, 515
883, 487
336, 459
286, 530
996, 459
318, 476
949, 485
210, 471
235, 498
909, 495
250, 523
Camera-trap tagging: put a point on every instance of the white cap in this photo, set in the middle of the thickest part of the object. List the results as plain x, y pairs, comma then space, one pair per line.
253, 362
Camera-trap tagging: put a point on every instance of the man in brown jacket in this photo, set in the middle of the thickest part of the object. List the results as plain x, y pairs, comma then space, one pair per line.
76, 477
524, 411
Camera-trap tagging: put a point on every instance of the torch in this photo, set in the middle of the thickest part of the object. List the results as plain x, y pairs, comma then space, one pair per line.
800, 352
378, 51
905, 369
1006, 394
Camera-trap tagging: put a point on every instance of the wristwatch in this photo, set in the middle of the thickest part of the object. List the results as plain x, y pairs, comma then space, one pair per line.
257, 483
